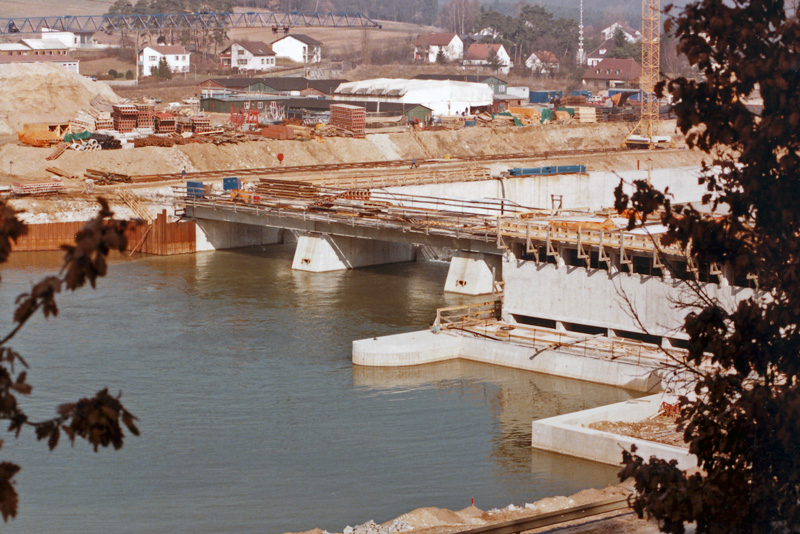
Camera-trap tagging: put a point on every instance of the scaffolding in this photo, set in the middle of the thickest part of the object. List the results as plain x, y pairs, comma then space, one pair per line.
646, 130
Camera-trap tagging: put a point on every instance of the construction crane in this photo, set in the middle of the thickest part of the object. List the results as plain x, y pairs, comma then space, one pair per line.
184, 21
645, 133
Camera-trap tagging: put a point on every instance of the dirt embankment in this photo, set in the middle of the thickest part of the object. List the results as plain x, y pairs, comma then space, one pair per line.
442, 521
28, 164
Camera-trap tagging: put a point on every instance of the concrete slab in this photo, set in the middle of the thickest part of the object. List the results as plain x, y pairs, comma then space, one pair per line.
412, 348
567, 434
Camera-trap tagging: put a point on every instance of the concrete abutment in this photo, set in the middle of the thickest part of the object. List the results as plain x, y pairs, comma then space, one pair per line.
322, 253
472, 273
219, 235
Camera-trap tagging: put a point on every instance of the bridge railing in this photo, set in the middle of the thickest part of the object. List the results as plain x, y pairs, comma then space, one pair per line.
469, 313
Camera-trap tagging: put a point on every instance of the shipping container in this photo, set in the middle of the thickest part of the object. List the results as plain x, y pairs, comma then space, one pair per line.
580, 92
194, 189
230, 184
544, 97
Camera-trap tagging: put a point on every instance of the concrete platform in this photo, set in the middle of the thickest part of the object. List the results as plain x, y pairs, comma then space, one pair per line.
419, 348
567, 434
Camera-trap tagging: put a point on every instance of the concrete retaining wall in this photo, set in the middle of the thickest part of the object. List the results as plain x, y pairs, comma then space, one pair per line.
594, 190
597, 297
567, 434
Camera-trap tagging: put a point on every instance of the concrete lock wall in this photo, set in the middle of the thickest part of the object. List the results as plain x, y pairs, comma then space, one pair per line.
322, 253
219, 235
473, 274
594, 190
599, 298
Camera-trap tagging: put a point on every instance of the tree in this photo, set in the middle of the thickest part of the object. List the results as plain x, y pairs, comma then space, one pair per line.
742, 419
99, 419
163, 70
493, 60
441, 59
459, 16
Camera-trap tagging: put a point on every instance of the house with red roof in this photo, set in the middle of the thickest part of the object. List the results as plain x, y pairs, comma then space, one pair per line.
613, 72
428, 46
176, 56
481, 55
543, 62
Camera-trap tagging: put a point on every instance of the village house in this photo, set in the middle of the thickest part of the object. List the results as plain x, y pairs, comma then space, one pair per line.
66, 61
428, 46
249, 56
176, 56
480, 55
14, 49
631, 35
299, 48
543, 62
613, 73
600, 53
45, 47
290, 86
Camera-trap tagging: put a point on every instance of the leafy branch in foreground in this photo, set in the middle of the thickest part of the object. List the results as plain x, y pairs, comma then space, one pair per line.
742, 418
99, 419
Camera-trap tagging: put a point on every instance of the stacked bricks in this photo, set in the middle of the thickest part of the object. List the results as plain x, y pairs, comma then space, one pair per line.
164, 123
144, 115
183, 124
124, 117
349, 117
201, 124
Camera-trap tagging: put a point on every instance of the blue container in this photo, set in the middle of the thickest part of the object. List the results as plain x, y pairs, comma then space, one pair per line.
543, 97
580, 92
194, 189
231, 184
470, 123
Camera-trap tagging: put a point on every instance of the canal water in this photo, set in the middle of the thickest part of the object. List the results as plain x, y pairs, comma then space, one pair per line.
253, 417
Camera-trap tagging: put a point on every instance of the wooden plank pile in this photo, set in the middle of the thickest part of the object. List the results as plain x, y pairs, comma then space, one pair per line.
61, 173
586, 115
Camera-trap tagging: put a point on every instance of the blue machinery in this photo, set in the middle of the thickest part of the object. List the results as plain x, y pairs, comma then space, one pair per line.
184, 21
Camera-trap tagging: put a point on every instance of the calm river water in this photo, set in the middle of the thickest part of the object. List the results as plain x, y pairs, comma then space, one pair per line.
253, 417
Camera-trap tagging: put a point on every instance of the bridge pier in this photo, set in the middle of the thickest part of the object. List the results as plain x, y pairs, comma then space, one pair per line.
218, 235
472, 273
322, 252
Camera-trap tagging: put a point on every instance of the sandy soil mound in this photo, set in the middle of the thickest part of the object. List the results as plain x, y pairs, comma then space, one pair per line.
44, 93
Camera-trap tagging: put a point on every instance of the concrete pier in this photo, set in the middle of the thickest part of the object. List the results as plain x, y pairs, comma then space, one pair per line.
322, 253
418, 348
473, 274
219, 235
569, 434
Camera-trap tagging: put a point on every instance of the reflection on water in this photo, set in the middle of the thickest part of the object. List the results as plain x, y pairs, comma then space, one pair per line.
253, 418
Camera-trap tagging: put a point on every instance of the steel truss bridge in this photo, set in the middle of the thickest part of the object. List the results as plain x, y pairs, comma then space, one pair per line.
183, 21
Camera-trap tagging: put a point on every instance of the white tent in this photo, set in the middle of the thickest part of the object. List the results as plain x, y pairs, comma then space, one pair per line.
444, 97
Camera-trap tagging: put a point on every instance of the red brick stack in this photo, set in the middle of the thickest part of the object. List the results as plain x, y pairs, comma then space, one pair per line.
352, 118
164, 123
144, 115
124, 117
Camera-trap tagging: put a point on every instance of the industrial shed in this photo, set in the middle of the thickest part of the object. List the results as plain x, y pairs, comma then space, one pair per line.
444, 97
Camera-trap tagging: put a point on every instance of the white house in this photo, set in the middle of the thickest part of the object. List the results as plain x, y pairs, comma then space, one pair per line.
543, 62
298, 48
68, 39
631, 35
248, 56
428, 46
150, 56
480, 54
45, 47
600, 53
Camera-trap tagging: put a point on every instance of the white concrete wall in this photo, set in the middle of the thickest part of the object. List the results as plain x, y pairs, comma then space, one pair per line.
218, 235
569, 434
323, 253
594, 190
596, 297
473, 274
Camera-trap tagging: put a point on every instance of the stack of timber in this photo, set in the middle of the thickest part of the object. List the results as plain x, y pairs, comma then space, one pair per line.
61, 173
60, 149
586, 115
572, 100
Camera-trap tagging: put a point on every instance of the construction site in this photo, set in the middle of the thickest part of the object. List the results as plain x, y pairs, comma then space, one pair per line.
518, 200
